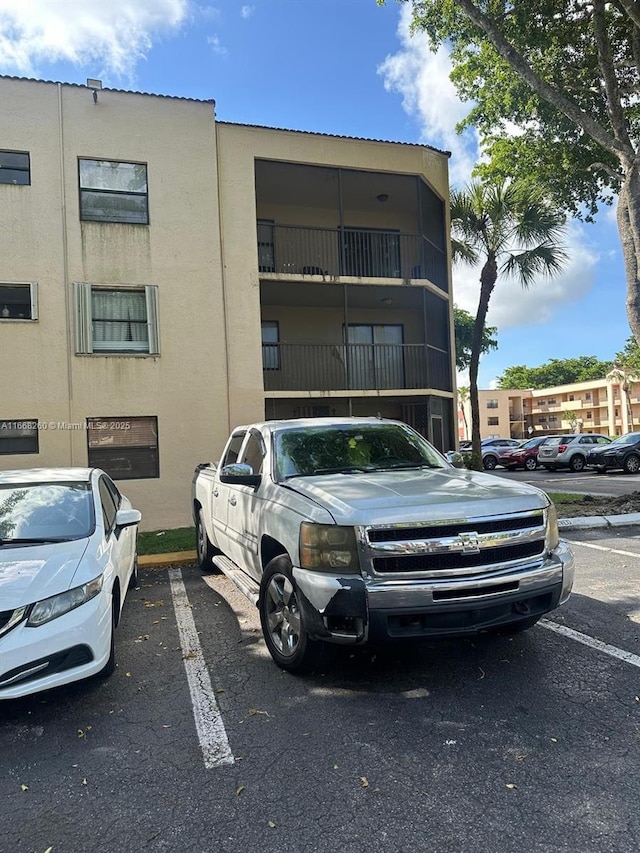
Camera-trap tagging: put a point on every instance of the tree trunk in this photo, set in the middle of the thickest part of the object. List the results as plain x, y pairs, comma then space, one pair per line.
629, 228
488, 278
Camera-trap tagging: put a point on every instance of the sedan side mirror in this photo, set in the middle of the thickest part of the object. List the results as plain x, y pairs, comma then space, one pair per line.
240, 474
128, 517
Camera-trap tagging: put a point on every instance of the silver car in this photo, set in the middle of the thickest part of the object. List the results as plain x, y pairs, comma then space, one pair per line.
569, 451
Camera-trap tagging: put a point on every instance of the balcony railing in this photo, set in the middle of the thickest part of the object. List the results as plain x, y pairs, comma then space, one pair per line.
362, 253
355, 367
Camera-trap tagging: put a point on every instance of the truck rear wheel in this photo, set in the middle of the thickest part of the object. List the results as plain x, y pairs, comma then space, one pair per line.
282, 620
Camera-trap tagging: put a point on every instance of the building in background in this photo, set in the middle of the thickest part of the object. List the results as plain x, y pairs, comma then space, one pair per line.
610, 406
165, 277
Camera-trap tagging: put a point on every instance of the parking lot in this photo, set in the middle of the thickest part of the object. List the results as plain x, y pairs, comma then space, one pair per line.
613, 483
199, 743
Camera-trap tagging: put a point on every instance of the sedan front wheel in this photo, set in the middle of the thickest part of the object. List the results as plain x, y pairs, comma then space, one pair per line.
631, 464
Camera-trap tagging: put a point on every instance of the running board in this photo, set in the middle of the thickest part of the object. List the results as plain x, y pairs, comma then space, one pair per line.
245, 584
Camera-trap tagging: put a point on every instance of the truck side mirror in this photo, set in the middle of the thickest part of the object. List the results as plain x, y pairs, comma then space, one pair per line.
240, 474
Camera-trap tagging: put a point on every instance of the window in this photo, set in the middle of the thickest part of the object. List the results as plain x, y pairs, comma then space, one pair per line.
116, 320
113, 192
589, 415
15, 168
492, 404
371, 253
254, 452
587, 396
18, 301
109, 508
126, 448
270, 348
493, 421
551, 401
18, 436
553, 419
542, 419
233, 449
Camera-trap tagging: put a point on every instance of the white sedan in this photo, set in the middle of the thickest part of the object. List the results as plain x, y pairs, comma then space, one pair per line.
67, 558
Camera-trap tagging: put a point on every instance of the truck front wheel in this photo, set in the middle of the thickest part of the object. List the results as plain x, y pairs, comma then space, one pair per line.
282, 620
204, 549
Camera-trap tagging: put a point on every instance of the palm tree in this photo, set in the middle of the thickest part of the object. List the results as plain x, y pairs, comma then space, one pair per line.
512, 231
463, 399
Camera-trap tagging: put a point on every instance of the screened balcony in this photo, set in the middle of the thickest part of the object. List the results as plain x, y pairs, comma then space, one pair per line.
354, 367
361, 253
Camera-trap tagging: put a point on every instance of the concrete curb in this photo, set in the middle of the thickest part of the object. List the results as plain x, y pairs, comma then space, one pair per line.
589, 521
148, 560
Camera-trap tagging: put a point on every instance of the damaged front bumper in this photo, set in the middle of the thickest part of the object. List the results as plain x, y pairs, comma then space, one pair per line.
354, 609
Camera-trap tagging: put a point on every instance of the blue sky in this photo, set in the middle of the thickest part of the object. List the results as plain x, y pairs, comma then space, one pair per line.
347, 67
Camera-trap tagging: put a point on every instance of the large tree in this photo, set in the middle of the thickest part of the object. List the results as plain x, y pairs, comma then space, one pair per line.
554, 87
556, 371
463, 323
508, 230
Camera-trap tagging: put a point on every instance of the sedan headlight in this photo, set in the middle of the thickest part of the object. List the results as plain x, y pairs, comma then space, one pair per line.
552, 536
328, 548
50, 608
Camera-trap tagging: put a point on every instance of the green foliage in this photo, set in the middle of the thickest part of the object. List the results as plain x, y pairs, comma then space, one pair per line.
463, 323
554, 372
556, 39
629, 357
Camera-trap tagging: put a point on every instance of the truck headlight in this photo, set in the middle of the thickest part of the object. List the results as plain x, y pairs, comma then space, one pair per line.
50, 608
328, 548
552, 536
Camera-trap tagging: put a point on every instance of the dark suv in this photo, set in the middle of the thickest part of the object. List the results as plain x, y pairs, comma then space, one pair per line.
623, 453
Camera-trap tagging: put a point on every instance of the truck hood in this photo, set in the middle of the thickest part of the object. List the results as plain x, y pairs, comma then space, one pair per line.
388, 497
32, 572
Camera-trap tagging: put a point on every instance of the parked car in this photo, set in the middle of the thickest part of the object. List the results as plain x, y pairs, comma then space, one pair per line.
524, 456
622, 453
491, 449
346, 531
67, 558
569, 451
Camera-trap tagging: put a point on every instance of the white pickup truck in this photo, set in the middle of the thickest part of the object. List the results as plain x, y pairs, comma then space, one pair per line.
354, 530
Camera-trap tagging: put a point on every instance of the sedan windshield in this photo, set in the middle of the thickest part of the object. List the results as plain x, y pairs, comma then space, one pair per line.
351, 449
45, 512
629, 438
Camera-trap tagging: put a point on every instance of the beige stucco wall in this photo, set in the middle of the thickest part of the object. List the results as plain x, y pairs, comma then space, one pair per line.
43, 240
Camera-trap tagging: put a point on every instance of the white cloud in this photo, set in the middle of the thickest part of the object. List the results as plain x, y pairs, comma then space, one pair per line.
114, 33
421, 77
512, 306
216, 45
247, 11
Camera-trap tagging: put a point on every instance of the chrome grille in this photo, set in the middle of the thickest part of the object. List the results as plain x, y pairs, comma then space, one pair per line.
457, 560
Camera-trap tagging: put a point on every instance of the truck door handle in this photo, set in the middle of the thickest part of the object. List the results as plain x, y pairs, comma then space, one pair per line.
232, 500
215, 493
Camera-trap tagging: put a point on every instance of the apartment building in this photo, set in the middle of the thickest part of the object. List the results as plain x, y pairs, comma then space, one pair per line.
165, 277
610, 406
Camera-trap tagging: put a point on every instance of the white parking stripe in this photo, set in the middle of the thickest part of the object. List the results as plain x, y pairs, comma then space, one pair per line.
602, 548
209, 726
612, 651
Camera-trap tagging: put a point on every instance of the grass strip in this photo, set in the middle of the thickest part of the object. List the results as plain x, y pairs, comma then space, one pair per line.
167, 541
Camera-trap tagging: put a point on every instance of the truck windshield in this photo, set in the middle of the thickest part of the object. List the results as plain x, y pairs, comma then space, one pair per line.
304, 451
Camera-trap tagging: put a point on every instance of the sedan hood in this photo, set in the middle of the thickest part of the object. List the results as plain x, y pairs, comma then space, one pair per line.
388, 497
32, 572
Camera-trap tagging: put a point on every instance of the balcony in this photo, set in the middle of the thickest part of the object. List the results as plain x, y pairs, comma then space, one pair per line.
354, 367
351, 252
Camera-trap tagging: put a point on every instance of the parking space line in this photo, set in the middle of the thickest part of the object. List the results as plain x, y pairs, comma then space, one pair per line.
612, 651
603, 548
209, 726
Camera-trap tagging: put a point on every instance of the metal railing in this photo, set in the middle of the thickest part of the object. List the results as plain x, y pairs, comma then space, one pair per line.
357, 367
362, 253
